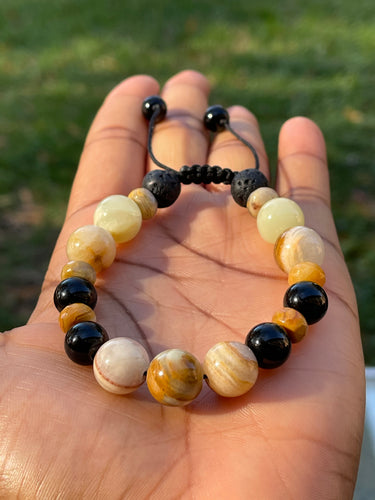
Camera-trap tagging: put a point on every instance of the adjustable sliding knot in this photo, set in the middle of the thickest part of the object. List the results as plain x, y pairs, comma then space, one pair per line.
205, 174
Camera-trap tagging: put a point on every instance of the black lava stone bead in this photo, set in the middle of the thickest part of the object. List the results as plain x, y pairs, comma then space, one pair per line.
245, 182
270, 344
309, 299
215, 118
75, 290
152, 104
83, 340
165, 185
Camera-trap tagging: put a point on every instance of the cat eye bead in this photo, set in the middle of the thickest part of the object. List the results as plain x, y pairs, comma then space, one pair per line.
298, 244
80, 269
270, 344
120, 216
174, 377
75, 313
93, 245
146, 202
83, 340
231, 369
74, 290
276, 216
293, 323
307, 271
258, 198
120, 365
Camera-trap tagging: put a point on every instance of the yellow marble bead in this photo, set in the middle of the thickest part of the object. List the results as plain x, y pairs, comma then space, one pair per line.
93, 245
276, 216
73, 314
80, 269
174, 377
231, 369
298, 244
146, 202
258, 198
306, 271
120, 216
292, 321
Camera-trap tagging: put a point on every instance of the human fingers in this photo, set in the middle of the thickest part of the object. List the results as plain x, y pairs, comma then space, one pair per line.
303, 174
180, 139
228, 152
113, 158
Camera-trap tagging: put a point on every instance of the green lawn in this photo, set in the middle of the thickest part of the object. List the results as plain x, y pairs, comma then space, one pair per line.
59, 58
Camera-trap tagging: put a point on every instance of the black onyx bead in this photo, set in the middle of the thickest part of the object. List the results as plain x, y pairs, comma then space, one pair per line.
83, 340
153, 104
215, 118
245, 182
309, 299
270, 344
165, 185
75, 290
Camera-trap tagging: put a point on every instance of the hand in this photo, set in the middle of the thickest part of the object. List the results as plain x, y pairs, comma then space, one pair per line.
197, 273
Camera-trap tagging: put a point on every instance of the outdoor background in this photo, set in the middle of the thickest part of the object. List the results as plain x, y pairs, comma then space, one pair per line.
59, 58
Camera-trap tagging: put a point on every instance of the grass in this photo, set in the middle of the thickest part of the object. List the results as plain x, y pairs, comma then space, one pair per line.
58, 59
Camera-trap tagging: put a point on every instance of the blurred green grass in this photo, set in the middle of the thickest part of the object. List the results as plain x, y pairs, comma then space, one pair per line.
59, 58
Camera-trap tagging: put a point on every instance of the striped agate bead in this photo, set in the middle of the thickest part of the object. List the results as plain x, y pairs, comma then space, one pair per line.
174, 377
92, 244
80, 269
146, 202
75, 313
231, 369
298, 244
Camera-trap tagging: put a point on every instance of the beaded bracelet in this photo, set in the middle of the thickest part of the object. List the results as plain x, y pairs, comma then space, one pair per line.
174, 377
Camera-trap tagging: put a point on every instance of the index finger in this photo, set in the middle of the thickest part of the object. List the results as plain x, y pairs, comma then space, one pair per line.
114, 157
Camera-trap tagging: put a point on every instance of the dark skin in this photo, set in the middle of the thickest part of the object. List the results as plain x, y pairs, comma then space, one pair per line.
196, 274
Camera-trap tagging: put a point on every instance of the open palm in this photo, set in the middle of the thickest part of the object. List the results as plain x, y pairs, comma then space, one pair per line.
196, 274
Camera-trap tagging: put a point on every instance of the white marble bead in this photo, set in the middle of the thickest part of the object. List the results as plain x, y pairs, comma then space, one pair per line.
231, 369
120, 216
120, 365
278, 215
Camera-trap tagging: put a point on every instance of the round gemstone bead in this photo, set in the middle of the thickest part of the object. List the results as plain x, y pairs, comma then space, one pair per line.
83, 340
120, 216
245, 182
298, 244
93, 245
309, 299
146, 202
293, 323
270, 344
164, 185
174, 377
258, 198
276, 216
231, 369
75, 313
120, 365
307, 271
74, 290
153, 104
80, 269
215, 118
